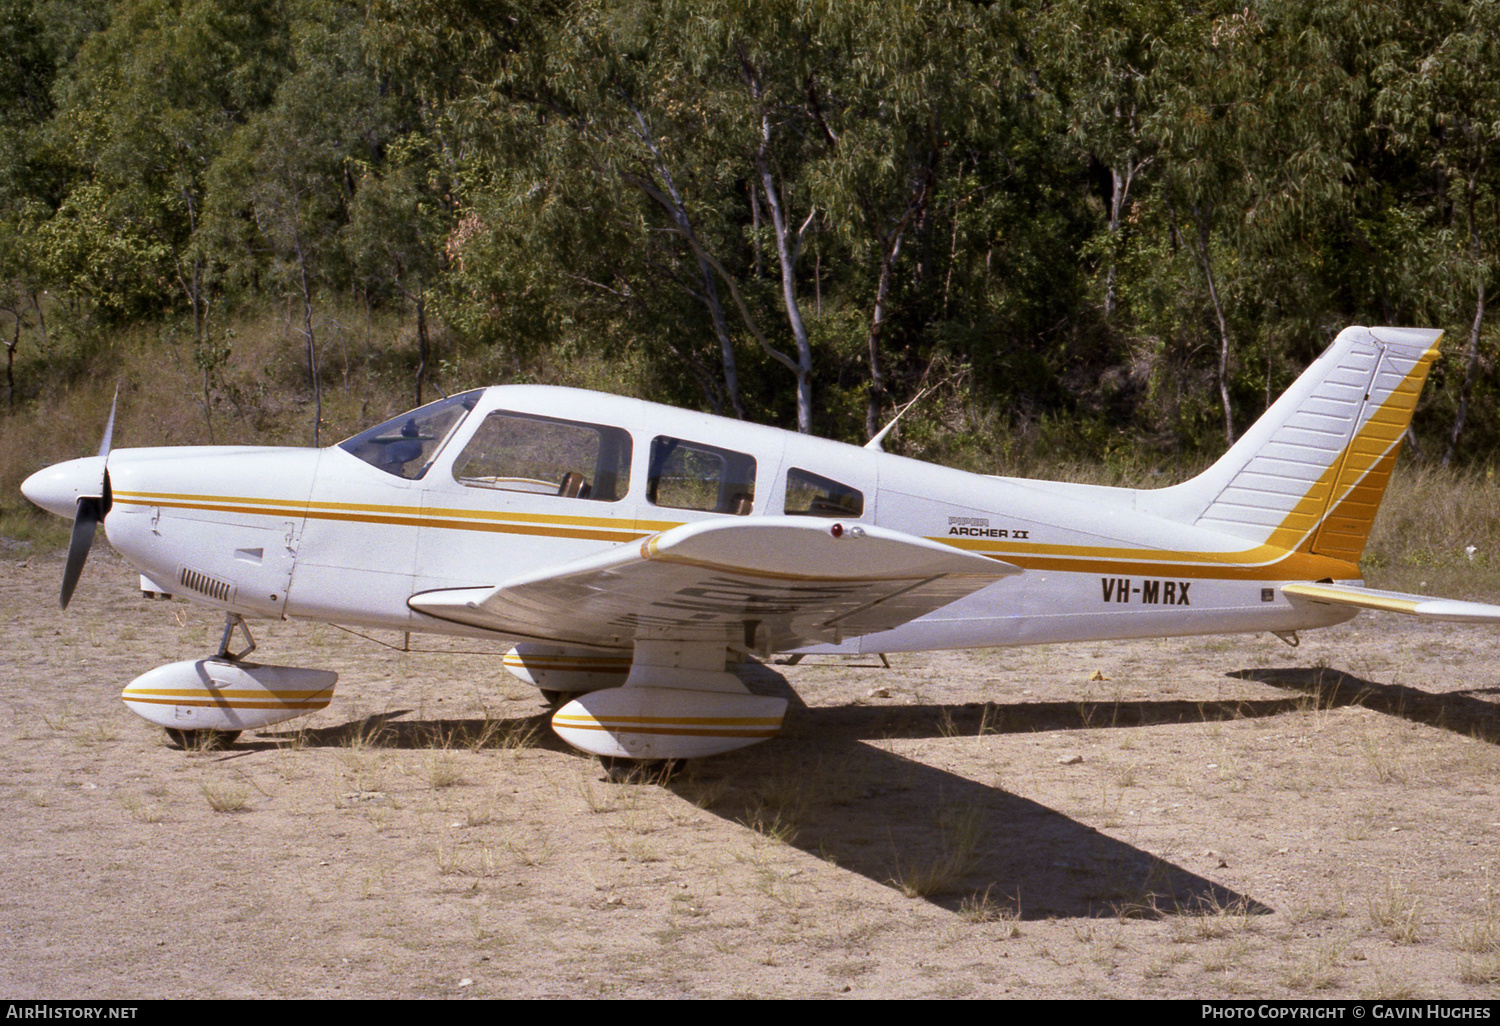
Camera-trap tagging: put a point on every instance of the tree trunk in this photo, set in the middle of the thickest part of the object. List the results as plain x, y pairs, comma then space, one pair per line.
877, 325
787, 251
1213, 294
1472, 356
307, 330
422, 346
10, 361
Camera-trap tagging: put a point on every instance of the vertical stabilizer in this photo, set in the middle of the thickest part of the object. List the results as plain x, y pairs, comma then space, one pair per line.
1310, 474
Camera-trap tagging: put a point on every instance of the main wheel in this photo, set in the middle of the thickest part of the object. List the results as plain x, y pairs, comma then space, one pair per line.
202, 740
638, 771
556, 699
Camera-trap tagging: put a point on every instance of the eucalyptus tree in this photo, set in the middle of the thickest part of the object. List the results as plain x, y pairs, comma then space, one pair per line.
283, 189
26, 77
399, 220
1254, 123
914, 90
145, 109
1099, 59
1441, 98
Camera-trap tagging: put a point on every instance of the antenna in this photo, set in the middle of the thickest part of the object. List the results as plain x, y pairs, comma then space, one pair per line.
874, 443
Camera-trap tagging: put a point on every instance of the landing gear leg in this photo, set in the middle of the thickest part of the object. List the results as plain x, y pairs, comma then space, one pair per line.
231, 621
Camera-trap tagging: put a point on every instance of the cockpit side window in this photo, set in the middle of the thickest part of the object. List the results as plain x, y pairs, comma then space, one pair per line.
521, 452
693, 475
809, 495
407, 445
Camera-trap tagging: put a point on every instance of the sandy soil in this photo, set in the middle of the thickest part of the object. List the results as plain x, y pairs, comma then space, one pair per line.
1246, 820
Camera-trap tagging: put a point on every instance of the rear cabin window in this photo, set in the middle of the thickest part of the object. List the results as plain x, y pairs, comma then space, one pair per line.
692, 475
518, 452
809, 495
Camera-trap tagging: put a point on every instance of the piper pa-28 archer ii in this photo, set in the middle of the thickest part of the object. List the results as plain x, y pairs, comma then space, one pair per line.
633, 550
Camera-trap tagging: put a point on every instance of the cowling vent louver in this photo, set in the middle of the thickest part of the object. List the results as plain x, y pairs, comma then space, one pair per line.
205, 584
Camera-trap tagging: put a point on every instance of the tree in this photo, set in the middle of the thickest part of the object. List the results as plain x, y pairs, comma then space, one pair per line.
1442, 101
285, 186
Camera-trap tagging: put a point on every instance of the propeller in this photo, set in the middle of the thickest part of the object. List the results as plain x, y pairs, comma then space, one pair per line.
91, 511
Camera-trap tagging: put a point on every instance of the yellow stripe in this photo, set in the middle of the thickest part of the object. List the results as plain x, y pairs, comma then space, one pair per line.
230, 693
1381, 432
753, 727
398, 516
196, 703
1362, 465
1344, 498
1224, 566
194, 501
574, 719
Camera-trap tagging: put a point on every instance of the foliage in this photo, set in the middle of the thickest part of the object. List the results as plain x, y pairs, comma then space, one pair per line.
1082, 224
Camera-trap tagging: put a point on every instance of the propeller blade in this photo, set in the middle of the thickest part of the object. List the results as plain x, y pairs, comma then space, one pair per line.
109, 428
90, 512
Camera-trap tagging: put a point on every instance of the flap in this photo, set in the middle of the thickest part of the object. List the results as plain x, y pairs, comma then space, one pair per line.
1455, 610
766, 584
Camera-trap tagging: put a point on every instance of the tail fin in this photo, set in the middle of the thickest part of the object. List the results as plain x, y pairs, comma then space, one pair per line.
1310, 474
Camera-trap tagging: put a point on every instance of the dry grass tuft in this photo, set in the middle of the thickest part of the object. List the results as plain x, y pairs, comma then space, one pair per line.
1318, 969
439, 769
225, 797
982, 908
1396, 912
139, 810
1483, 937
1480, 971
960, 835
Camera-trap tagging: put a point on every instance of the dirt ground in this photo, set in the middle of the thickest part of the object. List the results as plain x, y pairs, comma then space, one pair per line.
1207, 818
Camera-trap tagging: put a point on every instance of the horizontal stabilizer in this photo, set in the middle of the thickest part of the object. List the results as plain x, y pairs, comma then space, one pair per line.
1396, 602
763, 584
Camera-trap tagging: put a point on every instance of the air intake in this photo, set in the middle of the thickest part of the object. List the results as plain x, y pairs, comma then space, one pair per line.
203, 584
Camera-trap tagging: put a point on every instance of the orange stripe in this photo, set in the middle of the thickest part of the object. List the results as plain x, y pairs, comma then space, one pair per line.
614, 534
285, 506
226, 693
672, 731
708, 721
205, 704
1360, 471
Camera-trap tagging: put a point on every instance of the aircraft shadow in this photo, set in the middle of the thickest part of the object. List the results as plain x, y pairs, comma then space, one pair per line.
865, 722
1458, 711
965, 846
969, 847
388, 730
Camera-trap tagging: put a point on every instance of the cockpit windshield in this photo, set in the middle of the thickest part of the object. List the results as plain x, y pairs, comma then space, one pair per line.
407, 445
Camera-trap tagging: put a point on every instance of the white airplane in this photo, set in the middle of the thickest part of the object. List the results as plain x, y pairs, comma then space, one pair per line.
636, 550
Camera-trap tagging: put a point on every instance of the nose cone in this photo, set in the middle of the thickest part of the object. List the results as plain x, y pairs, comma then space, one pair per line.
56, 488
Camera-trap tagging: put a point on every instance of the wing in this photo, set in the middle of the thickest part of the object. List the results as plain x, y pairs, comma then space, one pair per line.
765, 584
1396, 602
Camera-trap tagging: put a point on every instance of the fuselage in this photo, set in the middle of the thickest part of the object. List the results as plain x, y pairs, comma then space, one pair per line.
510, 480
